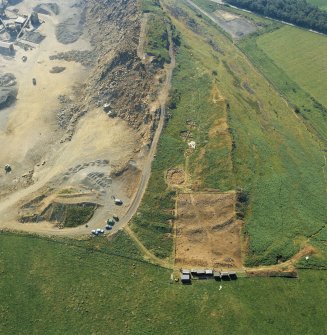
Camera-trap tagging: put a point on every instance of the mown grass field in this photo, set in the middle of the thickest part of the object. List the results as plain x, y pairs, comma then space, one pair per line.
302, 55
320, 3
56, 287
276, 155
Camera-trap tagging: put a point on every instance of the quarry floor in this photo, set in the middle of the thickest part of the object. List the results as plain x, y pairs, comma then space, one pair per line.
32, 141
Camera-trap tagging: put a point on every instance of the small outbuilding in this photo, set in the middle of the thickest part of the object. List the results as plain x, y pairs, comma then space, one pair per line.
225, 276
233, 275
6, 48
20, 21
217, 275
186, 278
201, 274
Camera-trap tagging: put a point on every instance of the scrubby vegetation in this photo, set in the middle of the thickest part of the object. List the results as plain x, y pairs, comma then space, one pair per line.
157, 44
101, 286
71, 215
298, 12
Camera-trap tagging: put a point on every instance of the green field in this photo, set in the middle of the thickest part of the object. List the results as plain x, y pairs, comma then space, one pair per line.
320, 3
99, 287
302, 55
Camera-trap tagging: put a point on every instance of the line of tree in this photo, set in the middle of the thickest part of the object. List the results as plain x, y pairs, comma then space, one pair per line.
297, 12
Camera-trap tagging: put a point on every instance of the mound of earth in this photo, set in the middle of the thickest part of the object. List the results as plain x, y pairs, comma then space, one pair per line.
8, 90
64, 214
47, 8
70, 30
176, 176
57, 69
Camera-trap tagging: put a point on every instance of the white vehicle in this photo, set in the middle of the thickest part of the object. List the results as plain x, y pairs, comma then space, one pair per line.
118, 202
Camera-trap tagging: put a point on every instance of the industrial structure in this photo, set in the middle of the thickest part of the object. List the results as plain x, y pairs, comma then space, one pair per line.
15, 26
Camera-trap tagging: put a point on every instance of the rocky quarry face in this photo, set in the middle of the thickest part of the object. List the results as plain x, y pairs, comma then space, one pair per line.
120, 82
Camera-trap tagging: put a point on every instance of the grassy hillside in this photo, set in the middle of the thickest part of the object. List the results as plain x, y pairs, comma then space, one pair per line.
320, 3
302, 55
156, 43
195, 111
269, 151
51, 287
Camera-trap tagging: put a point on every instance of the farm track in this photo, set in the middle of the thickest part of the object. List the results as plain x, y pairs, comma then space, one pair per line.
147, 254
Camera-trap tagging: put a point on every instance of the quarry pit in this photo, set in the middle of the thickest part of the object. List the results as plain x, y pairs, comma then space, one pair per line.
79, 110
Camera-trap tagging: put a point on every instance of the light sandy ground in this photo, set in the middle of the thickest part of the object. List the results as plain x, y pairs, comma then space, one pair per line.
31, 135
32, 119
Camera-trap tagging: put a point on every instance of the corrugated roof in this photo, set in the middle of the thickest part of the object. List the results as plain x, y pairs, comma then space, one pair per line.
21, 20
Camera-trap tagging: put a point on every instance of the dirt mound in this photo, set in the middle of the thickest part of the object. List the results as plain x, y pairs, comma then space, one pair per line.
57, 69
72, 28
8, 90
47, 8
86, 57
7, 80
121, 80
175, 177
33, 36
63, 214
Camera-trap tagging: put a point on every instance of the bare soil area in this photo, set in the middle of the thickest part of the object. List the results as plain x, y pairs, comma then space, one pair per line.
176, 177
85, 115
207, 231
235, 25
